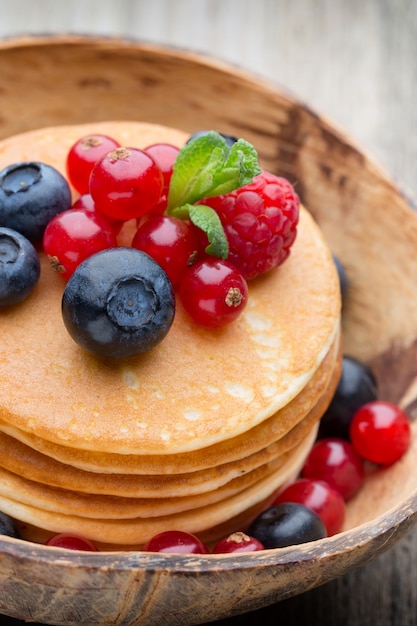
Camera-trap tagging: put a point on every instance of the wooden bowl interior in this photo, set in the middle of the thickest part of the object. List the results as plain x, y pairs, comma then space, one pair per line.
369, 225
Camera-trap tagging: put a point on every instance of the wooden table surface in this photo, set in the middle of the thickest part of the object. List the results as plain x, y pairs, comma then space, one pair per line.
355, 62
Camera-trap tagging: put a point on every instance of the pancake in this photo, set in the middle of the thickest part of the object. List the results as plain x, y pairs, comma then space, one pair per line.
275, 434
135, 531
18, 459
216, 384
117, 507
196, 434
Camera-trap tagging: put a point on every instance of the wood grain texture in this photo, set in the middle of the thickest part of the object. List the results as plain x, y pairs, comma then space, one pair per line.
354, 62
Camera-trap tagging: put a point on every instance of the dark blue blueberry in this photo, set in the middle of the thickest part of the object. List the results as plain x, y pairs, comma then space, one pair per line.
342, 277
118, 303
356, 387
287, 524
229, 139
31, 194
8, 526
19, 267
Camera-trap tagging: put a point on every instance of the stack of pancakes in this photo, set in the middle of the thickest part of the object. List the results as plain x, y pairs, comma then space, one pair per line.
195, 435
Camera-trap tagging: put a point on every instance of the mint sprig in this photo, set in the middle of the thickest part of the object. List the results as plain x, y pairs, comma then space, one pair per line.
206, 218
206, 167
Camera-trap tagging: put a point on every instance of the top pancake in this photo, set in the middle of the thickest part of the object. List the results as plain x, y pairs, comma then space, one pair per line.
198, 386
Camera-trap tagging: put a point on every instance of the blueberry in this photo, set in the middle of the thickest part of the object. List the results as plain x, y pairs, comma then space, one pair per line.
31, 194
342, 277
287, 524
118, 303
229, 139
19, 267
8, 526
356, 387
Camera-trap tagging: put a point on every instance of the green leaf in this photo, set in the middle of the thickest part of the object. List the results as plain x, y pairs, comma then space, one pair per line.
239, 169
206, 218
207, 167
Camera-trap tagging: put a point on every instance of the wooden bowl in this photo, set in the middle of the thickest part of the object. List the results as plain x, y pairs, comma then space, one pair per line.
370, 226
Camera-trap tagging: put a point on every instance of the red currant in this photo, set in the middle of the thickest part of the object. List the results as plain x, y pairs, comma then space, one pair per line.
213, 292
126, 184
71, 542
164, 155
238, 542
171, 242
83, 155
86, 203
336, 462
321, 498
175, 542
380, 432
74, 235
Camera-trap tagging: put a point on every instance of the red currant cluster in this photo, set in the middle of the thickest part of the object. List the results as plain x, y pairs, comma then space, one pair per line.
379, 435
168, 542
119, 185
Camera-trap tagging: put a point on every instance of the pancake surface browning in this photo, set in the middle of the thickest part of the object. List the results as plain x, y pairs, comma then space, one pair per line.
202, 427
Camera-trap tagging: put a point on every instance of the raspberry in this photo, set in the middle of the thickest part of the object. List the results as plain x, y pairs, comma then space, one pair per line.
260, 222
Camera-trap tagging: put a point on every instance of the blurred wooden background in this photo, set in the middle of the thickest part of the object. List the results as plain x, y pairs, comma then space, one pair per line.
354, 61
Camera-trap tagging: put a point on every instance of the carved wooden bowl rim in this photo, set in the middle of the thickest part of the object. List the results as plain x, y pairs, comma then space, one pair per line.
382, 528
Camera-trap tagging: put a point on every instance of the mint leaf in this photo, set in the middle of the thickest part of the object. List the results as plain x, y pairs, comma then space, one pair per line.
206, 218
207, 167
239, 169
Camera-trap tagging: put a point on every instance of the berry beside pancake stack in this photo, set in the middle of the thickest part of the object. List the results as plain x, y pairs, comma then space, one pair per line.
196, 434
